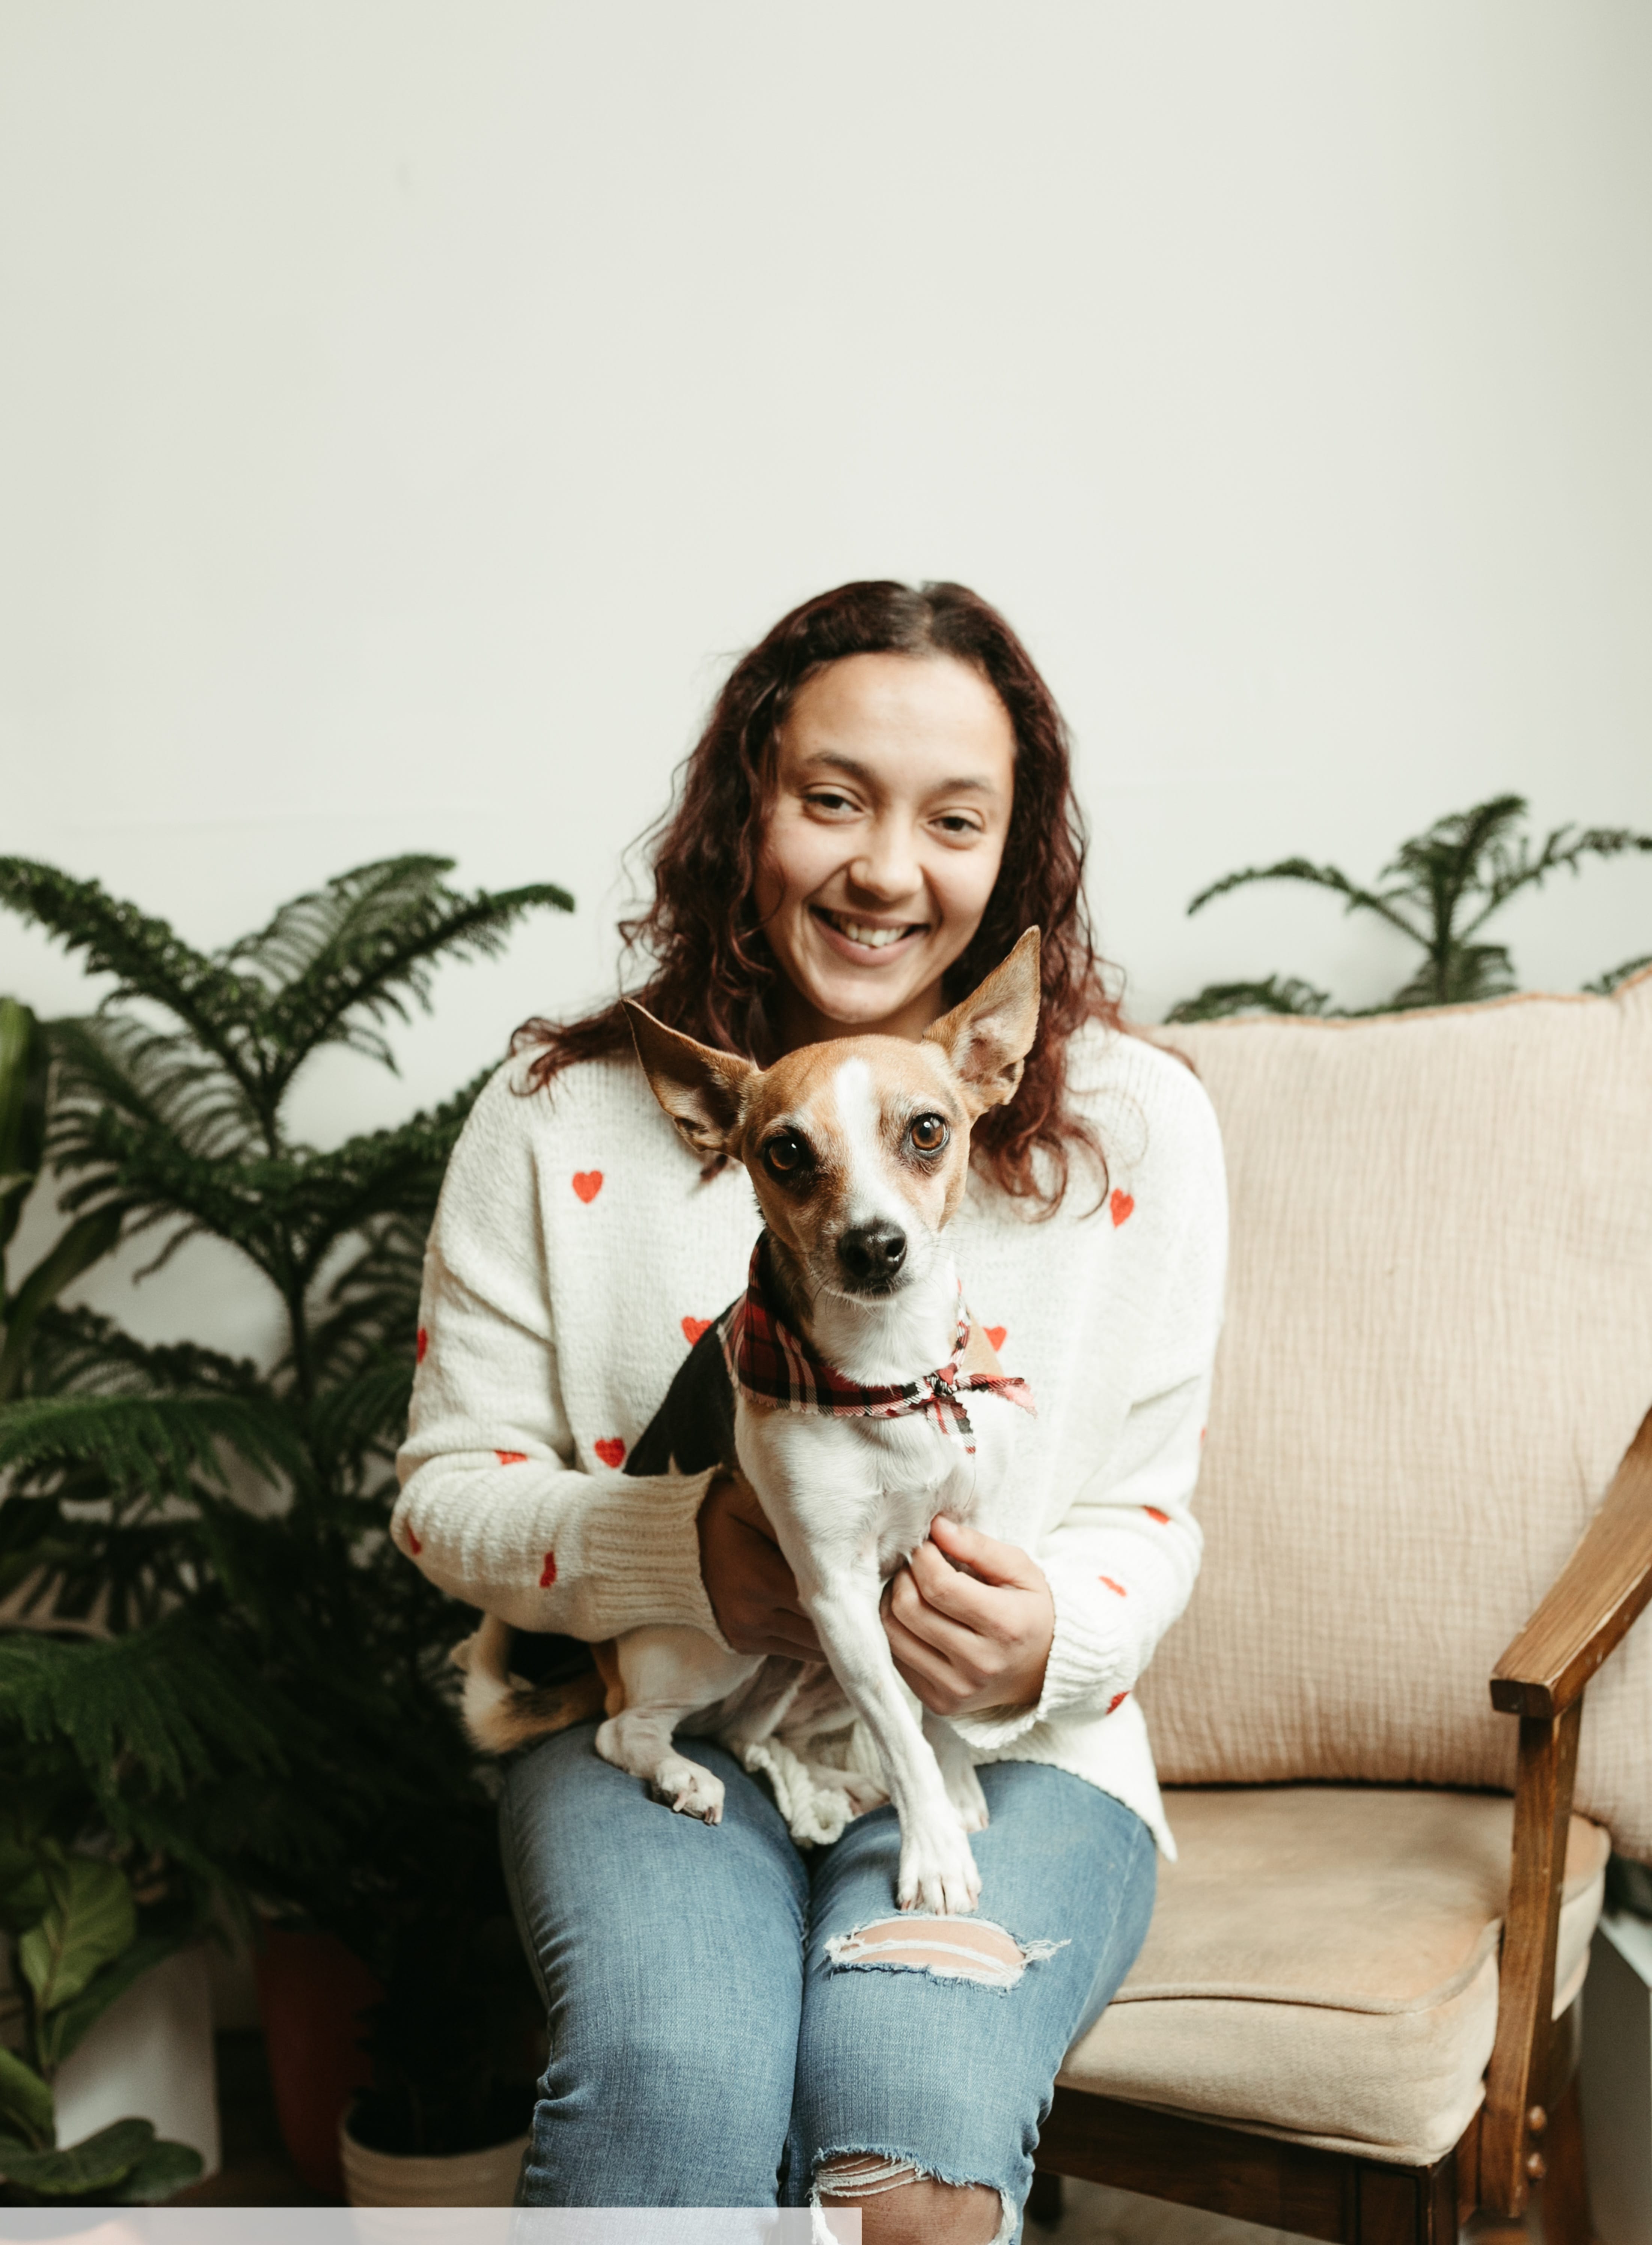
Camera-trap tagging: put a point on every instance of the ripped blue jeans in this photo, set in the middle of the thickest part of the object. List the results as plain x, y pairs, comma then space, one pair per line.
729, 2013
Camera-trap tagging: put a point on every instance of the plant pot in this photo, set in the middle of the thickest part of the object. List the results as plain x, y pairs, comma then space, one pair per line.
310, 1987
485, 2178
149, 2057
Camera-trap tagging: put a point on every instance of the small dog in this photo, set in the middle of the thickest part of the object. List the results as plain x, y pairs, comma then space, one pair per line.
846, 1365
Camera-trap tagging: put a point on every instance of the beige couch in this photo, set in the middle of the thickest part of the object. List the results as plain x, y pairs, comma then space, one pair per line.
1438, 1349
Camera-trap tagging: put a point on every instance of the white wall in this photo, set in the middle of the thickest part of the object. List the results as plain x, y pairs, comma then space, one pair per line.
406, 408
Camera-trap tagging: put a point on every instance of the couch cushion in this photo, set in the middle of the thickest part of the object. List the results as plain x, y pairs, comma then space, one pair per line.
1323, 1963
1438, 1344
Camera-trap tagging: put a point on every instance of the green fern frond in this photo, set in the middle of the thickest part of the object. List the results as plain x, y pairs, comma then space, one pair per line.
1219, 1001
90, 1354
1440, 889
154, 1078
365, 945
372, 1304
368, 1413
147, 956
1609, 981
165, 1696
1470, 972
158, 1444
1355, 898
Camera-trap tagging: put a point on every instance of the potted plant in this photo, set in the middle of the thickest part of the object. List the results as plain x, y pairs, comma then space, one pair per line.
78, 1936
456, 2038
276, 1676
1438, 891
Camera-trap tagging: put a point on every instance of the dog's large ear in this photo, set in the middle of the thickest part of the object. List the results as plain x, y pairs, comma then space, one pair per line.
989, 1036
702, 1090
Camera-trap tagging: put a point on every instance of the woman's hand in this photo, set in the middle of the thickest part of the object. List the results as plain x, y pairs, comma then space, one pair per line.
966, 1641
752, 1590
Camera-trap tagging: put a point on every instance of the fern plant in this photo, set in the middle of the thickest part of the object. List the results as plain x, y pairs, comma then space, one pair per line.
242, 1678
25, 1063
1438, 891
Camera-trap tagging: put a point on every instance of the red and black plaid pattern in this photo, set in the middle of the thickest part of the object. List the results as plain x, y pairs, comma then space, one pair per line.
777, 1366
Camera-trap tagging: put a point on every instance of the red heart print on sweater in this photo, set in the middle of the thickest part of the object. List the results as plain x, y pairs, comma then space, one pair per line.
548, 1572
1112, 1585
424, 1342
1121, 1203
413, 1543
588, 1183
512, 1457
610, 1449
693, 1328
1117, 1700
997, 1334
1154, 1513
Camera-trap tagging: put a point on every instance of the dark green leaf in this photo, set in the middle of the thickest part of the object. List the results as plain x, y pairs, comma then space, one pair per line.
25, 2101
163, 2169
92, 1918
94, 2165
62, 2030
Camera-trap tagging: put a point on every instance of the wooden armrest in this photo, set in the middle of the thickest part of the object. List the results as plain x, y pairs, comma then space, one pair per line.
1599, 1593
1597, 1596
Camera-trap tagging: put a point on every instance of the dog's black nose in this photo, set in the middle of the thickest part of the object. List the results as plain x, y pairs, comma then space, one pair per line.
873, 1254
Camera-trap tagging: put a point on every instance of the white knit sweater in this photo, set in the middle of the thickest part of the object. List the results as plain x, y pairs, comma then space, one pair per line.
576, 1254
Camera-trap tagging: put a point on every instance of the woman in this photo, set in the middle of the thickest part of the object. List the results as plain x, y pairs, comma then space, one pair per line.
879, 804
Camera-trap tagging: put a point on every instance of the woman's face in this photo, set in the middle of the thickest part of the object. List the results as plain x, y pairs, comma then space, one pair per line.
893, 783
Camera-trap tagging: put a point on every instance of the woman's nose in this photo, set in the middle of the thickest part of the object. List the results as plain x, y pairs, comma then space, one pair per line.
888, 866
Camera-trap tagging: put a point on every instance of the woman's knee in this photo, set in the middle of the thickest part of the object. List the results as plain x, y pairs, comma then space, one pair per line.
912, 2208
659, 2057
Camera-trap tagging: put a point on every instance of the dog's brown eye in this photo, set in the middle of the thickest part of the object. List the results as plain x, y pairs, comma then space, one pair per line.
928, 1134
786, 1155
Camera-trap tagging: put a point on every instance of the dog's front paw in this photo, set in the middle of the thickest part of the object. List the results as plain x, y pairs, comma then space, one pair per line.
963, 1791
937, 1871
690, 1790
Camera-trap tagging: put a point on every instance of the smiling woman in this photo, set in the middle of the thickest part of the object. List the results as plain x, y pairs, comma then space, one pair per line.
878, 815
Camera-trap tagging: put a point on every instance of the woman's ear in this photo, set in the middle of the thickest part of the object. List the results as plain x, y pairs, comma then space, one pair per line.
702, 1090
986, 1039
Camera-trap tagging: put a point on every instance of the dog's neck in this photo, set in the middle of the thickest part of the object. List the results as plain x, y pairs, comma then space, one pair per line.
880, 1343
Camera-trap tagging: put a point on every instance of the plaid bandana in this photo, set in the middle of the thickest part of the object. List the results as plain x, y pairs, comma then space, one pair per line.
775, 1364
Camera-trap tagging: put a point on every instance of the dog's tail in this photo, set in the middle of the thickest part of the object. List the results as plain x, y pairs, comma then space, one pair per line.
501, 1712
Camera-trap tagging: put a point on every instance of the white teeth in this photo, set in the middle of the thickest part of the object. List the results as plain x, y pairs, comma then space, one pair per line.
874, 939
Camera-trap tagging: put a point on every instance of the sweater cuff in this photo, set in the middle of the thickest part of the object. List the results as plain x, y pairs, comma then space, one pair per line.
642, 1554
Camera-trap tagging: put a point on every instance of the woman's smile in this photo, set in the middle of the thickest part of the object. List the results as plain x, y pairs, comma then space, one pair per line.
857, 936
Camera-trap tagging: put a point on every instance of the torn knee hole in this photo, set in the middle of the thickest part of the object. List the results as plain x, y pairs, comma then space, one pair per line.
865, 2174
945, 1948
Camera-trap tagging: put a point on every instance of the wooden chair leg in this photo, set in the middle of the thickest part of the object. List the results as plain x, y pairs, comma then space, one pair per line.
1565, 2192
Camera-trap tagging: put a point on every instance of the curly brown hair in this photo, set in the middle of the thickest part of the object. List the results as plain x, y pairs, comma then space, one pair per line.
714, 976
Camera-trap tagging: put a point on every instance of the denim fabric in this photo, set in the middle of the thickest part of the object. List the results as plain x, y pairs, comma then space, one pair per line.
705, 2049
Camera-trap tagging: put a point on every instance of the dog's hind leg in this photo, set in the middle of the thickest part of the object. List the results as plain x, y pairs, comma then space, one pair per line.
669, 1674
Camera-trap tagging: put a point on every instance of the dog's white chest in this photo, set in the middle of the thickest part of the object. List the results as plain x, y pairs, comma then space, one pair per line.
844, 1486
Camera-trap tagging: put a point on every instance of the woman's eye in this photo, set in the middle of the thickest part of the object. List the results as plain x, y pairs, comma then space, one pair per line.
957, 826
786, 1155
928, 1134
